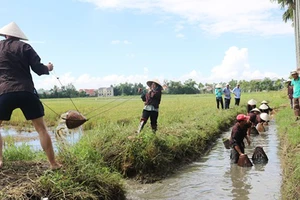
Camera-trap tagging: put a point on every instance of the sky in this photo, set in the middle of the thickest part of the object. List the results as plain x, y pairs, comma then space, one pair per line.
99, 43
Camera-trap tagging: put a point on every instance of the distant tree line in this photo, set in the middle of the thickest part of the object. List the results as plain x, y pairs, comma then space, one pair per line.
172, 87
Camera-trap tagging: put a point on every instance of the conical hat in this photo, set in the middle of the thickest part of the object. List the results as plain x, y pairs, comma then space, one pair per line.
255, 109
263, 107
252, 102
218, 86
154, 81
264, 101
264, 116
12, 29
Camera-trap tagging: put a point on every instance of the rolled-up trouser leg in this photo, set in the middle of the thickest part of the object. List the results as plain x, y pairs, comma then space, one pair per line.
141, 126
143, 121
296, 107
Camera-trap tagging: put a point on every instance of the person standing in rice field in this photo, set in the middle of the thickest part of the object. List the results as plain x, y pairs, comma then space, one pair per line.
296, 93
151, 100
227, 95
237, 94
17, 90
219, 98
290, 92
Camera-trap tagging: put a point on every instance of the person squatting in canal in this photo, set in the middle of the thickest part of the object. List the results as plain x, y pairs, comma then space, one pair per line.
151, 100
238, 133
296, 93
250, 105
17, 87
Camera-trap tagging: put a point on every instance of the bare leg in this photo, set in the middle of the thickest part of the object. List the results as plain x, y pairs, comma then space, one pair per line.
1, 146
40, 127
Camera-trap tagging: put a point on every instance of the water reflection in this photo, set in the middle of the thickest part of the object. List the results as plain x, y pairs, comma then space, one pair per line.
213, 177
31, 138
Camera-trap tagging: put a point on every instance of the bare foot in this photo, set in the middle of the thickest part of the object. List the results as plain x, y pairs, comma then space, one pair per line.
56, 166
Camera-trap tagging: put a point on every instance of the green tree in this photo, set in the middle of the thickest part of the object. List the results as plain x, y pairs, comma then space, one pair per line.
289, 5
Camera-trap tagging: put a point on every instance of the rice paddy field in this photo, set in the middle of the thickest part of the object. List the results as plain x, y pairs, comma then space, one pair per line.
110, 151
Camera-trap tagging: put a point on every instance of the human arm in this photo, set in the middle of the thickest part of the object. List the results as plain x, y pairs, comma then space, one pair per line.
35, 61
237, 148
248, 138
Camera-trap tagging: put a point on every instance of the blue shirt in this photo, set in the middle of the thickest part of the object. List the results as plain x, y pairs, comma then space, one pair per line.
237, 91
227, 93
296, 87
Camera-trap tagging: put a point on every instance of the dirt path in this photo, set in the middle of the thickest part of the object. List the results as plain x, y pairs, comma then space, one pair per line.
14, 174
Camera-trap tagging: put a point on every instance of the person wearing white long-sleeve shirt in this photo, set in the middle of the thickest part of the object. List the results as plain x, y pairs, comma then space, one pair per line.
237, 94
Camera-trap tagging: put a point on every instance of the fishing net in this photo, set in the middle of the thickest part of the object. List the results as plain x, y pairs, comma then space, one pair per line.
259, 156
74, 119
244, 161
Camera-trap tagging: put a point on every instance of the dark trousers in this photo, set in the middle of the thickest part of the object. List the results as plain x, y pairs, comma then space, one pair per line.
153, 118
237, 101
227, 103
234, 155
219, 101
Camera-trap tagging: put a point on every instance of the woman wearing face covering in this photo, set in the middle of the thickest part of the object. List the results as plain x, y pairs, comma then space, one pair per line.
151, 100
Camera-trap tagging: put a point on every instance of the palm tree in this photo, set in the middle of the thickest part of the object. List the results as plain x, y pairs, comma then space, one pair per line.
290, 5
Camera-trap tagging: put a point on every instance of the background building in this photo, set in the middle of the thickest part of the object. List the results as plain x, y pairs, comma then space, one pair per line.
105, 92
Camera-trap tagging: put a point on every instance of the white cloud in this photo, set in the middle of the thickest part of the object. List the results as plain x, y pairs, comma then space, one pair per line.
115, 42
179, 35
234, 65
214, 16
126, 42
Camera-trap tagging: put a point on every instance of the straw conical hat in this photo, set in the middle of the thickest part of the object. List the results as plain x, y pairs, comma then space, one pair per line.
264, 116
263, 107
255, 109
154, 81
12, 29
264, 101
252, 102
218, 86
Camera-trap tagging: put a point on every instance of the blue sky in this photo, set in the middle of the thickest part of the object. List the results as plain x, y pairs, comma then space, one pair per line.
98, 43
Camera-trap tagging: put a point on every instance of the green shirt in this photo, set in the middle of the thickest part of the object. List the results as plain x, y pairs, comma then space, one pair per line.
296, 87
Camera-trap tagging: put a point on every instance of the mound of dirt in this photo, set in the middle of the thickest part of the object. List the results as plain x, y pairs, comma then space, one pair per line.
12, 174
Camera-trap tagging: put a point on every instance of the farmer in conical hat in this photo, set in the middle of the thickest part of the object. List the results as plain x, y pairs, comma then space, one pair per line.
17, 88
219, 98
264, 102
251, 104
151, 100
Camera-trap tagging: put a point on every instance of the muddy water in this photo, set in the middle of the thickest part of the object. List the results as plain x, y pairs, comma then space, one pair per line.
32, 138
213, 177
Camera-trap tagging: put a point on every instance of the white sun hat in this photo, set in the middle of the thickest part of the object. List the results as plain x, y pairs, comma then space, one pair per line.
263, 107
12, 29
255, 110
154, 81
252, 102
264, 116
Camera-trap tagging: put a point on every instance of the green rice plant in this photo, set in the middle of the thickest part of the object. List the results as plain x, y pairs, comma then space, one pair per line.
22, 152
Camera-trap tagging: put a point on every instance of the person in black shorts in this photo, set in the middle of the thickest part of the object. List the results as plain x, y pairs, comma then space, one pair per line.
17, 90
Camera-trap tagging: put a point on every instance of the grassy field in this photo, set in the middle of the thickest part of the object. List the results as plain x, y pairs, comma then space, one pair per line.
110, 150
